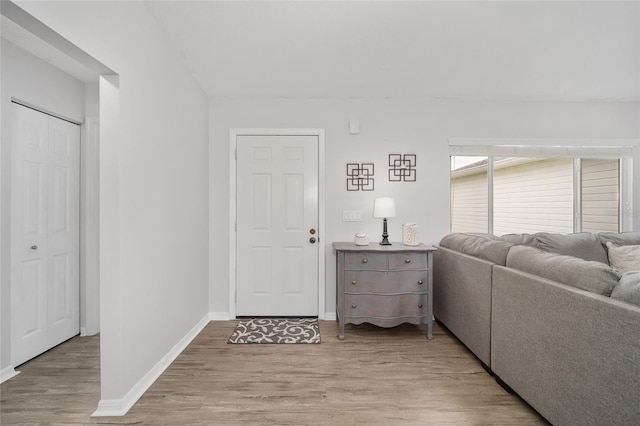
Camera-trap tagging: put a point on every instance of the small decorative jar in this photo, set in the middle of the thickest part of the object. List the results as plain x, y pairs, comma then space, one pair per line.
410, 234
362, 239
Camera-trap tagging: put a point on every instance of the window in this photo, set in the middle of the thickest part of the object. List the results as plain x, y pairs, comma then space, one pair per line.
532, 194
600, 195
504, 195
469, 192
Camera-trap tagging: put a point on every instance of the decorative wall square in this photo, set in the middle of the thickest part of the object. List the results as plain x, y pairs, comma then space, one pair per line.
360, 176
402, 167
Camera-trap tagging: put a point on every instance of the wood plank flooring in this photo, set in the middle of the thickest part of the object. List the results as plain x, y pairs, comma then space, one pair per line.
375, 377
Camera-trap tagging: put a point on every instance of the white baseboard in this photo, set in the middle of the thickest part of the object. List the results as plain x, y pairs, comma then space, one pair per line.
119, 407
7, 373
219, 316
86, 332
330, 316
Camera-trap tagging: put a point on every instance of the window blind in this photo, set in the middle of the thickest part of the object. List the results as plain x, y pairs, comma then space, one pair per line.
568, 148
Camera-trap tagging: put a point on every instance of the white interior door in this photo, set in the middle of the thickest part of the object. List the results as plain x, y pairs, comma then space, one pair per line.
277, 224
44, 232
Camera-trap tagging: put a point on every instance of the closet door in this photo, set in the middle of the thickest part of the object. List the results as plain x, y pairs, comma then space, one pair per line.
44, 232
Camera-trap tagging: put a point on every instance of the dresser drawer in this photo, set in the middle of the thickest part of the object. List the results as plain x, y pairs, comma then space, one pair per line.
364, 261
385, 282
385, 306
399, 261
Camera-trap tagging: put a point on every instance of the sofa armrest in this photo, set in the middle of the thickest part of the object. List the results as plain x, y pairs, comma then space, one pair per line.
572, 355
462, 299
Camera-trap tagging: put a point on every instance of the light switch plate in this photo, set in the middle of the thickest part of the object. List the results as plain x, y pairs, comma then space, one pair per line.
352, 216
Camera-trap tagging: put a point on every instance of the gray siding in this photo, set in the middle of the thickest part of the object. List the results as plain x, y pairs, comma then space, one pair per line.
536, 195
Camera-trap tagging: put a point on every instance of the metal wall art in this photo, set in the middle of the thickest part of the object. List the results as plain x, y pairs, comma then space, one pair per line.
402, 167
360, 176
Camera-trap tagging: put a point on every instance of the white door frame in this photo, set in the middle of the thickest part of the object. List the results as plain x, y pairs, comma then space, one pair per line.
233, 135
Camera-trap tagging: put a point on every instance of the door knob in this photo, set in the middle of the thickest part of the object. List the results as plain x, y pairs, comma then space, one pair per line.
312, 240
312, 231
34, 247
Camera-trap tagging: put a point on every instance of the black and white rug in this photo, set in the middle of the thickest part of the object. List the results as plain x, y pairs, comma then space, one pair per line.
276, 330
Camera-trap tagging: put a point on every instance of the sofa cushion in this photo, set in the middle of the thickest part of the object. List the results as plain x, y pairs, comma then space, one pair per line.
584, 245
620, 239
483, 247
624, 258
628, 288
520, 239
589, 275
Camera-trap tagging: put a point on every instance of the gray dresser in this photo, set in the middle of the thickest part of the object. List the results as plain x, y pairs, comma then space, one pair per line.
384, 285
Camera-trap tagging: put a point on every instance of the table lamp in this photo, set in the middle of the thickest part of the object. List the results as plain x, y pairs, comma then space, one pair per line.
384, 208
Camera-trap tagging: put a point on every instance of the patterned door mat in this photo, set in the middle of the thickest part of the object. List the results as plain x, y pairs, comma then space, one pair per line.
276, 330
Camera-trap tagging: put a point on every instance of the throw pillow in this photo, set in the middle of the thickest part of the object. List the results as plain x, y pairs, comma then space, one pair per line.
624, 258
628, 289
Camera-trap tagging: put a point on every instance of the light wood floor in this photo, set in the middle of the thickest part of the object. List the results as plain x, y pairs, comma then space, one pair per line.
375, 377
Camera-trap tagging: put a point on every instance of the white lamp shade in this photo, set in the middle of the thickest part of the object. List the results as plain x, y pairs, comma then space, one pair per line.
384, 207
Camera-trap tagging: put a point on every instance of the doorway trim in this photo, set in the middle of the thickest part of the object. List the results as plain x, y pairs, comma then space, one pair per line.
90, 226
233, 135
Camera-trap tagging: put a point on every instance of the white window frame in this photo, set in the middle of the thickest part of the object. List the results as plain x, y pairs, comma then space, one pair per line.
622, 149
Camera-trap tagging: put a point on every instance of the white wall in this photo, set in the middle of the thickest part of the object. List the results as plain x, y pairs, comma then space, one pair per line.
390, 126
31, 80
156, 186
92, 99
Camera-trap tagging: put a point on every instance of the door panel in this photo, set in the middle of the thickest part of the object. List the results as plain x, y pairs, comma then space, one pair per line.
261, 202
294, 202
261, 281
59, 307
32, 322
64, 232
277, 205
293, 270
29, 233
44, 232
33, 199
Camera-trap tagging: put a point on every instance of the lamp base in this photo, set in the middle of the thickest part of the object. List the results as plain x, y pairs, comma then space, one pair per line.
385, 235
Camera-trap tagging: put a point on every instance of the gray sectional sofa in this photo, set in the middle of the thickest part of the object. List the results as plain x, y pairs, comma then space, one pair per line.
550, 317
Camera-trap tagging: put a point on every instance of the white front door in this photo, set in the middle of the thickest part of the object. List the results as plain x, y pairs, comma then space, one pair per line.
277, 226
44, 232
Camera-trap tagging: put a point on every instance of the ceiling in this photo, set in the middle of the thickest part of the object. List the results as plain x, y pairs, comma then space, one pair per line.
477, 50
560, 50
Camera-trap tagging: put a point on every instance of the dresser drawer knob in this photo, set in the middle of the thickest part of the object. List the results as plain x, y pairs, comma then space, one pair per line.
353, 282
420, 305
420, 282
407, 261
353, 306
365, 260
